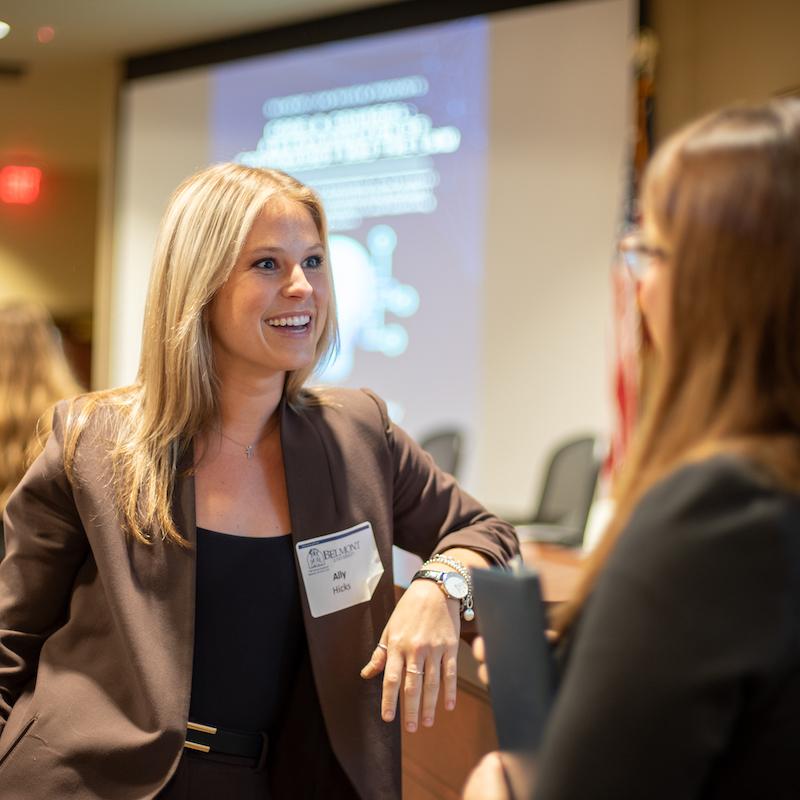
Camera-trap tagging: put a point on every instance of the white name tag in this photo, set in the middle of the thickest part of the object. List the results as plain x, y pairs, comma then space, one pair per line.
339, 570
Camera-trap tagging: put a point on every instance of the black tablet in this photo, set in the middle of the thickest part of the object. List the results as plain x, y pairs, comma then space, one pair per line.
522, 670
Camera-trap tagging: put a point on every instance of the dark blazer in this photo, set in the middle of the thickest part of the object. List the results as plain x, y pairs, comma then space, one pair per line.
96, 630
683, 679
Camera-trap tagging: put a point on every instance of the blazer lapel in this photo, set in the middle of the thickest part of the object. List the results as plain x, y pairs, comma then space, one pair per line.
309, 484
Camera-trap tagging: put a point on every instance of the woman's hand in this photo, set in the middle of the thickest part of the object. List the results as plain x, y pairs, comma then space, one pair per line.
487, 781
418, 647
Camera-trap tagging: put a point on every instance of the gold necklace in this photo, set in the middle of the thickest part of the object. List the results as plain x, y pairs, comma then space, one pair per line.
248, 448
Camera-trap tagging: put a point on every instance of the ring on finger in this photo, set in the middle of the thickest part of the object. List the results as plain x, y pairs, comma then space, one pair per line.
381, 644
415, 671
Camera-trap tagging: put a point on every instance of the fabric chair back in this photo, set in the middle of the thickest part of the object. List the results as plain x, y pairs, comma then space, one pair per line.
570, 484
445, 449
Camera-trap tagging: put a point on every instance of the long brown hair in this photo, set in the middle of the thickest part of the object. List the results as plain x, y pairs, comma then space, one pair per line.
207, 221
725, 195
34, 375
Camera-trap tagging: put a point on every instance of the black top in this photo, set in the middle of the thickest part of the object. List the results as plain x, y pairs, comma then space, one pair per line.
683, 679
249, 632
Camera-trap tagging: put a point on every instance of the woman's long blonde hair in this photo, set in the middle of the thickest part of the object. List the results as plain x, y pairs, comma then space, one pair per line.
725, 195
34, 375
174, 397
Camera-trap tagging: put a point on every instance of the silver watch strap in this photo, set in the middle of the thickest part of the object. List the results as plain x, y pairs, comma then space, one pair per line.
430, 574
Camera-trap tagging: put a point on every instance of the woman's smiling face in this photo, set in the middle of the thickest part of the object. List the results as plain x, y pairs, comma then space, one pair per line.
268, 316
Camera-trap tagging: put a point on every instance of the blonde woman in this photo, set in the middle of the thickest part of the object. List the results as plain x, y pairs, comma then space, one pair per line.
34, 375
682, 647
198, 585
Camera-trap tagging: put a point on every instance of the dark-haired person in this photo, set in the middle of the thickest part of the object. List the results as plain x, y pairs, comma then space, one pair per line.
199, 565
682, 675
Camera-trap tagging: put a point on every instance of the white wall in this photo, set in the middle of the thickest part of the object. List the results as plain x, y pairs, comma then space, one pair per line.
557, 176
161, 144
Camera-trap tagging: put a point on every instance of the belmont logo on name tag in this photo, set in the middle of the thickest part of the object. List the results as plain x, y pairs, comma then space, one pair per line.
339, 570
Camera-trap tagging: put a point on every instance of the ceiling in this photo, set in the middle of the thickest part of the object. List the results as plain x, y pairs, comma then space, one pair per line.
113, 29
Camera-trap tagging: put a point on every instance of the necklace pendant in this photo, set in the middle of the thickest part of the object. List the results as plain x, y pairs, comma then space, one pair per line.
247, 450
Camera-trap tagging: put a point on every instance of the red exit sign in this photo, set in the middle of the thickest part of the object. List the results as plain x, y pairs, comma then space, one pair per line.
19, 184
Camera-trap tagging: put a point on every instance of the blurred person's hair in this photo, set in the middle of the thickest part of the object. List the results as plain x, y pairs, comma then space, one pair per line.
205, 226
34, 375
724, 193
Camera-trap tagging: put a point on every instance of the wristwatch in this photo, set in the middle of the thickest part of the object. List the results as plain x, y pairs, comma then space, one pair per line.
467, 611
452, 583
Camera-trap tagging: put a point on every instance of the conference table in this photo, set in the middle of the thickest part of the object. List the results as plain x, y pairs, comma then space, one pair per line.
437, 760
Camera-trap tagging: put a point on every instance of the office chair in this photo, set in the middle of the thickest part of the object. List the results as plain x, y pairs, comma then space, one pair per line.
566, 495
445, 449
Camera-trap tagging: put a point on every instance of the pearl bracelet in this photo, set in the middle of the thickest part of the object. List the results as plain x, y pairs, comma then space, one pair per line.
466, 604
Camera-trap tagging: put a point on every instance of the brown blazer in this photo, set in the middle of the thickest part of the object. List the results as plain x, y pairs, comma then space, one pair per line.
96, 630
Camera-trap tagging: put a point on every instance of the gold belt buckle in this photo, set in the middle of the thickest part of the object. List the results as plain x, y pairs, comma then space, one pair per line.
194, 726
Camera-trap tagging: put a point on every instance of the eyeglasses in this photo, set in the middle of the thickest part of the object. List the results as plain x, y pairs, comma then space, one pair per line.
638, 255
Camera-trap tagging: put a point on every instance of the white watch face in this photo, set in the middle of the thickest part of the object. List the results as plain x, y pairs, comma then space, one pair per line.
455, 585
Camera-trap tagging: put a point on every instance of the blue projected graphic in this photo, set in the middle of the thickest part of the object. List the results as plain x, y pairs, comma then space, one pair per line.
367, 161
365, 291
391, 132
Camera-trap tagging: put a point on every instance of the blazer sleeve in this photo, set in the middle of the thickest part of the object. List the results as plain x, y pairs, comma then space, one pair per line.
684, 624
431, 512
46, 546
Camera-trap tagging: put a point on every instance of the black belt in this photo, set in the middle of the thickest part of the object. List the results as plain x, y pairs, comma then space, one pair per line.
205, 739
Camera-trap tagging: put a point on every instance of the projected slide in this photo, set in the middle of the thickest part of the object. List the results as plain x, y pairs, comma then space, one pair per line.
391, 131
